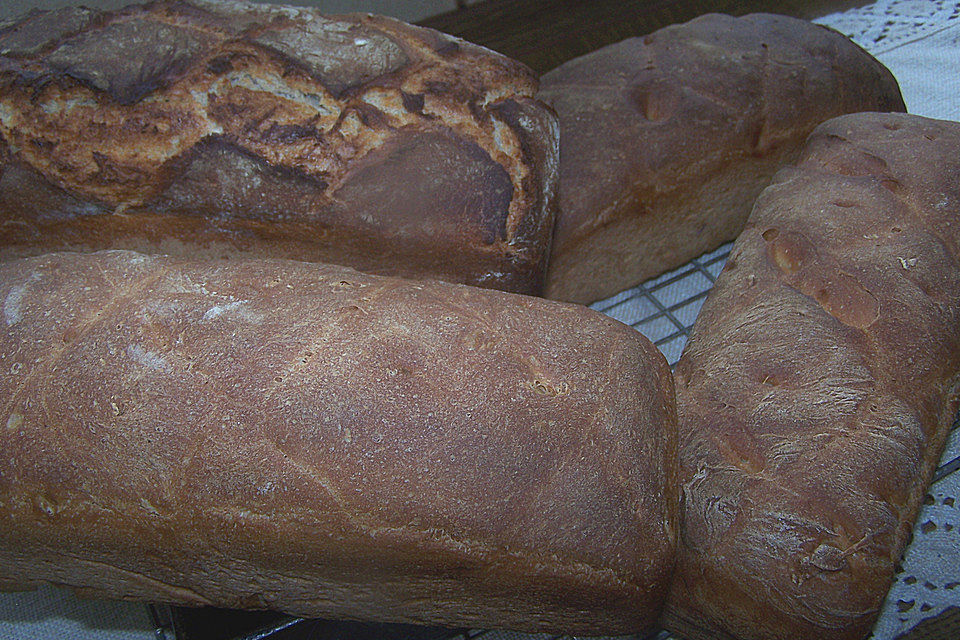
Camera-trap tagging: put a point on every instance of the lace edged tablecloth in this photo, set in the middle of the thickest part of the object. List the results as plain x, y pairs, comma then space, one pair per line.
919, 41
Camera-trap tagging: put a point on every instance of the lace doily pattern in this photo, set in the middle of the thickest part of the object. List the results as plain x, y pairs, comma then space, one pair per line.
887, 24
919, 40
928, 580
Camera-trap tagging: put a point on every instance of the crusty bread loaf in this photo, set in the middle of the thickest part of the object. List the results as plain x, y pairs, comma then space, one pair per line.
666, 140
819, 386
233, 128
307, 438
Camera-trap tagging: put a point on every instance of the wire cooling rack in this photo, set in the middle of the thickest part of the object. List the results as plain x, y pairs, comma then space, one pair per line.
665, 308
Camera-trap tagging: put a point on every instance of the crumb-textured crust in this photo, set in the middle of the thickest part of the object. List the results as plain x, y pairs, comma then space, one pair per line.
667, 139
819, 386
311, 439
240, 128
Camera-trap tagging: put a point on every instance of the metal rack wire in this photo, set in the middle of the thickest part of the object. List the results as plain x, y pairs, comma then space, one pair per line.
665, 308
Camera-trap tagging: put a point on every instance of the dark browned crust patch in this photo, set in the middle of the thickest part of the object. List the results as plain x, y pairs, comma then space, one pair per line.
40, 29
127, 60
341, 56
405, 185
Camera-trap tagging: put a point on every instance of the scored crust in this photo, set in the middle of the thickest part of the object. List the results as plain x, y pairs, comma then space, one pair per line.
113, 108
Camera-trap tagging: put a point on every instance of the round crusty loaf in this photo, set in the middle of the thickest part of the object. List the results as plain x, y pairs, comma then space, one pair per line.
668, 139
234, 128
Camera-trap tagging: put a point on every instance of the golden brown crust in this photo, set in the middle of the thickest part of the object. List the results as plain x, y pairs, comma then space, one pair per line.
819, 385
319, 441
668, 139
113, 109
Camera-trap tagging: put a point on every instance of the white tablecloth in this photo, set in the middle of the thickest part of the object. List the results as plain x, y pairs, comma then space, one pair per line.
919, 41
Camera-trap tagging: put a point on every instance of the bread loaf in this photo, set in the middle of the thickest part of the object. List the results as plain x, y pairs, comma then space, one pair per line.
819, 385
239, 129
666, 140
307, 438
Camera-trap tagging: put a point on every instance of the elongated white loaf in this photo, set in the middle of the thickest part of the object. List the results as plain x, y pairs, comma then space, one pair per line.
668, 139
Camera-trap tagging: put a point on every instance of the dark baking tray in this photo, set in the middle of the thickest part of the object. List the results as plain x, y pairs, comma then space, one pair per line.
208, 623
183, 623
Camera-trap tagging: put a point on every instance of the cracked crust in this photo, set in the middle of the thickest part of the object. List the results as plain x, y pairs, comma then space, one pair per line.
113, 110
819, 386
668, 139
219, 432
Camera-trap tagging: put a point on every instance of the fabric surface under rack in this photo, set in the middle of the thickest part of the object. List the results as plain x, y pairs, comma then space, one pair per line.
920, 42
